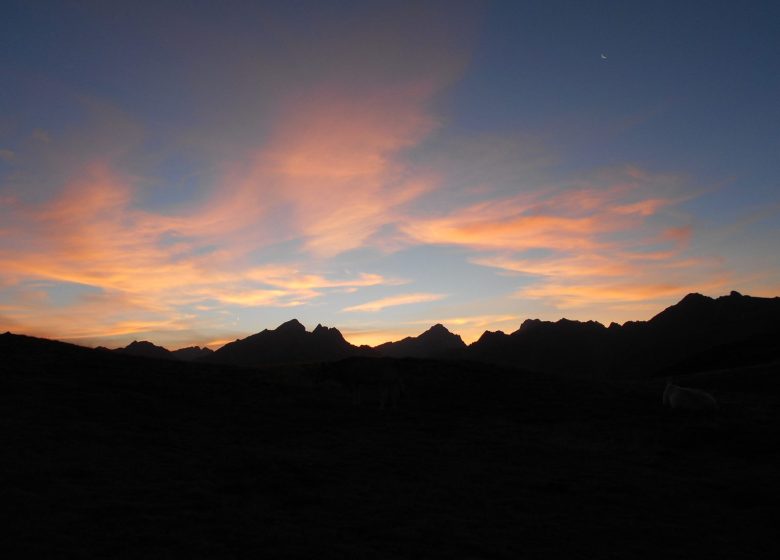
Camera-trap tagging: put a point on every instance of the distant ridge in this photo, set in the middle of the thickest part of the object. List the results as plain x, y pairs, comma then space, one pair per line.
147, 349
684, 337
436, 342
702, 326
192, 353
562, 346
696, 334
290, 342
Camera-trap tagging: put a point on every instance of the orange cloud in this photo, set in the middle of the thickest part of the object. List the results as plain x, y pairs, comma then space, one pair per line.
580, 265
392, 301
582, 219
329, 176
617, 292
582, 247
517, 233
93, 236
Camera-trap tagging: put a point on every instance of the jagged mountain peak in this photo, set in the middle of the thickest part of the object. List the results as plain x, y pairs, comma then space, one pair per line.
695, 298
290, 342
144, 348
293, 325
438, 331
437, 341
142, 344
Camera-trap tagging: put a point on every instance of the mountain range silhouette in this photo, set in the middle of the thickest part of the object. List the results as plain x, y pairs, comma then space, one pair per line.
696, 334
147, 349
436, 342
290, 342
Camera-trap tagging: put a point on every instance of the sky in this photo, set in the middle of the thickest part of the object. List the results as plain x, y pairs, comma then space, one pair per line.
191, 173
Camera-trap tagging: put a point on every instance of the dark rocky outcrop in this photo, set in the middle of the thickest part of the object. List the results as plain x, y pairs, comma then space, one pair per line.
288, 343
191, 353
696, 334
436, 342
145, 349
562, 346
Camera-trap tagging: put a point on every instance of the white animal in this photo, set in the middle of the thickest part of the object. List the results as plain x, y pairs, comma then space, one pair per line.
687, 398
366, 378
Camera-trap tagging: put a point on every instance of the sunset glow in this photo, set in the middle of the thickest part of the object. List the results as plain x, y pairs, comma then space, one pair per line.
379, 169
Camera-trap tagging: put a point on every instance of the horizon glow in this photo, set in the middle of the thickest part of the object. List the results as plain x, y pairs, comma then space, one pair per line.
193, 177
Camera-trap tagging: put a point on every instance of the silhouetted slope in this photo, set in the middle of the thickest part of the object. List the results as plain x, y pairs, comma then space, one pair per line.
146, 349
436, 342
698, 329
288, 343
192, 353
695, 334
19, 351
30, 354
564, 346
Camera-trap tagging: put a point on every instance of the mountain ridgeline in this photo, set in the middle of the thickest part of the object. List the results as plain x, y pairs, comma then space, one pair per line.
146, 349
698, 333
288, 343
436, 342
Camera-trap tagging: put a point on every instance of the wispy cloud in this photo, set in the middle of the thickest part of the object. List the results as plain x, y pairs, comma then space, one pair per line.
392, 301
93, 236
325, 178
578, 244
335, 159
558, 220
619, 293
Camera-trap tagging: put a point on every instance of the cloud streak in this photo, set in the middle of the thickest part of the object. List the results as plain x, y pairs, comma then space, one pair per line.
393, 301
603, 244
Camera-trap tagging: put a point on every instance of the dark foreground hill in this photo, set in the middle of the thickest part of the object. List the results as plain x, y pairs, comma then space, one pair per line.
107, 455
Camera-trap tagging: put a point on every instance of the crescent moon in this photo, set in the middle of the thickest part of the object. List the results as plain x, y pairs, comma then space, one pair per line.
603, 56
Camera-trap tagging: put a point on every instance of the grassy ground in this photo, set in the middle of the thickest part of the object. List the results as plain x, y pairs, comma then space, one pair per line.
153, 460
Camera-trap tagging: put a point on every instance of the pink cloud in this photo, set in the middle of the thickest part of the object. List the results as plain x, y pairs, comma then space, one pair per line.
335, 160
603, 246
92, 235
619, 292
582, 219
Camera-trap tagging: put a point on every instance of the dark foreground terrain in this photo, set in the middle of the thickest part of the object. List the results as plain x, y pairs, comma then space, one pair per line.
117, 456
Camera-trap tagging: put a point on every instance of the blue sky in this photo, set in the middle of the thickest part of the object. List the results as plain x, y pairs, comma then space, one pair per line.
194, 174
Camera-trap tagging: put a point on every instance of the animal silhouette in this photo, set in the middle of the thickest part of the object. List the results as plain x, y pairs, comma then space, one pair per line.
687, 398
